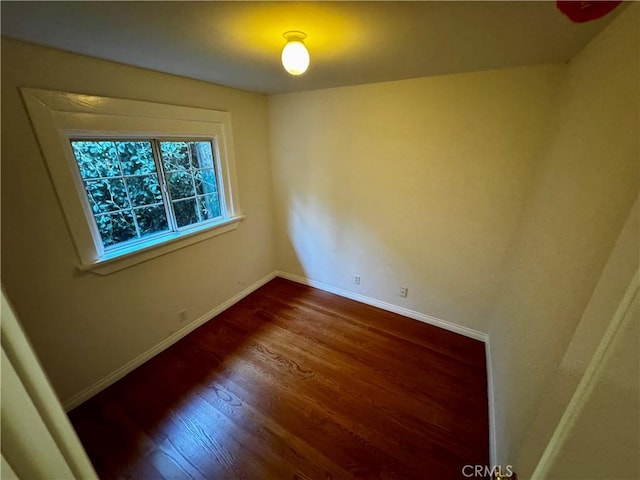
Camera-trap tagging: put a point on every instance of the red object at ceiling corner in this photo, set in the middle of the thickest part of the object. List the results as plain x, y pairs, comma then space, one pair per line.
585, 11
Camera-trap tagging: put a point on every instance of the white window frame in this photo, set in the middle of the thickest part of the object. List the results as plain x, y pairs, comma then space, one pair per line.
58, 117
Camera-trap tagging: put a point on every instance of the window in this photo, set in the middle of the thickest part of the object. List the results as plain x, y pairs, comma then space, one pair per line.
135, 179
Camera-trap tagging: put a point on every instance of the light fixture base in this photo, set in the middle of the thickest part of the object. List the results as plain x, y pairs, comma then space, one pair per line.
294, 35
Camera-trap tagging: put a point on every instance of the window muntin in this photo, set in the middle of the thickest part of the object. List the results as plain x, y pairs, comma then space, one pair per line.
142, 189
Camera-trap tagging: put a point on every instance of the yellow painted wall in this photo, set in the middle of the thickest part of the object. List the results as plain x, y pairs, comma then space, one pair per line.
84, 326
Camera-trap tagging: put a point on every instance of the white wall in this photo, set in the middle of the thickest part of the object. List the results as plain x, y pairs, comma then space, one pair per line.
584, 187
417, 183
84, 326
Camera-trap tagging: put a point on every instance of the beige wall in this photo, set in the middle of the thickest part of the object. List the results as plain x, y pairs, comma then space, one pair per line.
585, 184
603, 440
38, 440
600, 311
84, 326
417, 183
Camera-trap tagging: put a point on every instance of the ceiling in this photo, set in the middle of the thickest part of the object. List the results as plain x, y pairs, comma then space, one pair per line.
238, 44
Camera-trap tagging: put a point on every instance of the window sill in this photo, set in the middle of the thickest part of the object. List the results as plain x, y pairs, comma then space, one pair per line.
114, 261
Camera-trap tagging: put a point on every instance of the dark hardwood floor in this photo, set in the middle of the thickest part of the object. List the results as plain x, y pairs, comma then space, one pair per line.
296, 383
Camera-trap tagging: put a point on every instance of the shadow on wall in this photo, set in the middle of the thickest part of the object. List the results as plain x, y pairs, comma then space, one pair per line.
330, 245
418, 183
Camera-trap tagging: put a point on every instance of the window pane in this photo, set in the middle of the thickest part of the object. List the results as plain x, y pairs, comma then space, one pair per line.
205, 181
181, 185
201, 154
123, 186
116, 227
186, 212
209, 207
144, 190
151, 220
136, 158
96, 159
107, 195
175, 156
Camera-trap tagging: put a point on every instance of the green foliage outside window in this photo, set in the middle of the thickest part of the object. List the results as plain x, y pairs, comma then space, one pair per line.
123, 186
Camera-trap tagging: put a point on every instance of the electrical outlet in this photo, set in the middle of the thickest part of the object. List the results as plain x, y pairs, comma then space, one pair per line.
403, 292
182, 316
356, 279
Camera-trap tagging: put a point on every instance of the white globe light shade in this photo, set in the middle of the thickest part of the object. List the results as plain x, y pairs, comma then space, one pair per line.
295, 57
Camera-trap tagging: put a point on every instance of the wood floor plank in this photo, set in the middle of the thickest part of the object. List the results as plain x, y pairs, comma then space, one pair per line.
349, 411
396, 373
296, 383
272, 437
344, 382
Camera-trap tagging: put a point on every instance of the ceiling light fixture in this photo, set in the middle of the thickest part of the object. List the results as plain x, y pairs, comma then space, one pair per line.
295, 56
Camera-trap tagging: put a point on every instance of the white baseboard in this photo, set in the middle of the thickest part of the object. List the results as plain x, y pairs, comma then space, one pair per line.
100, 385
493, 455
452, 327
